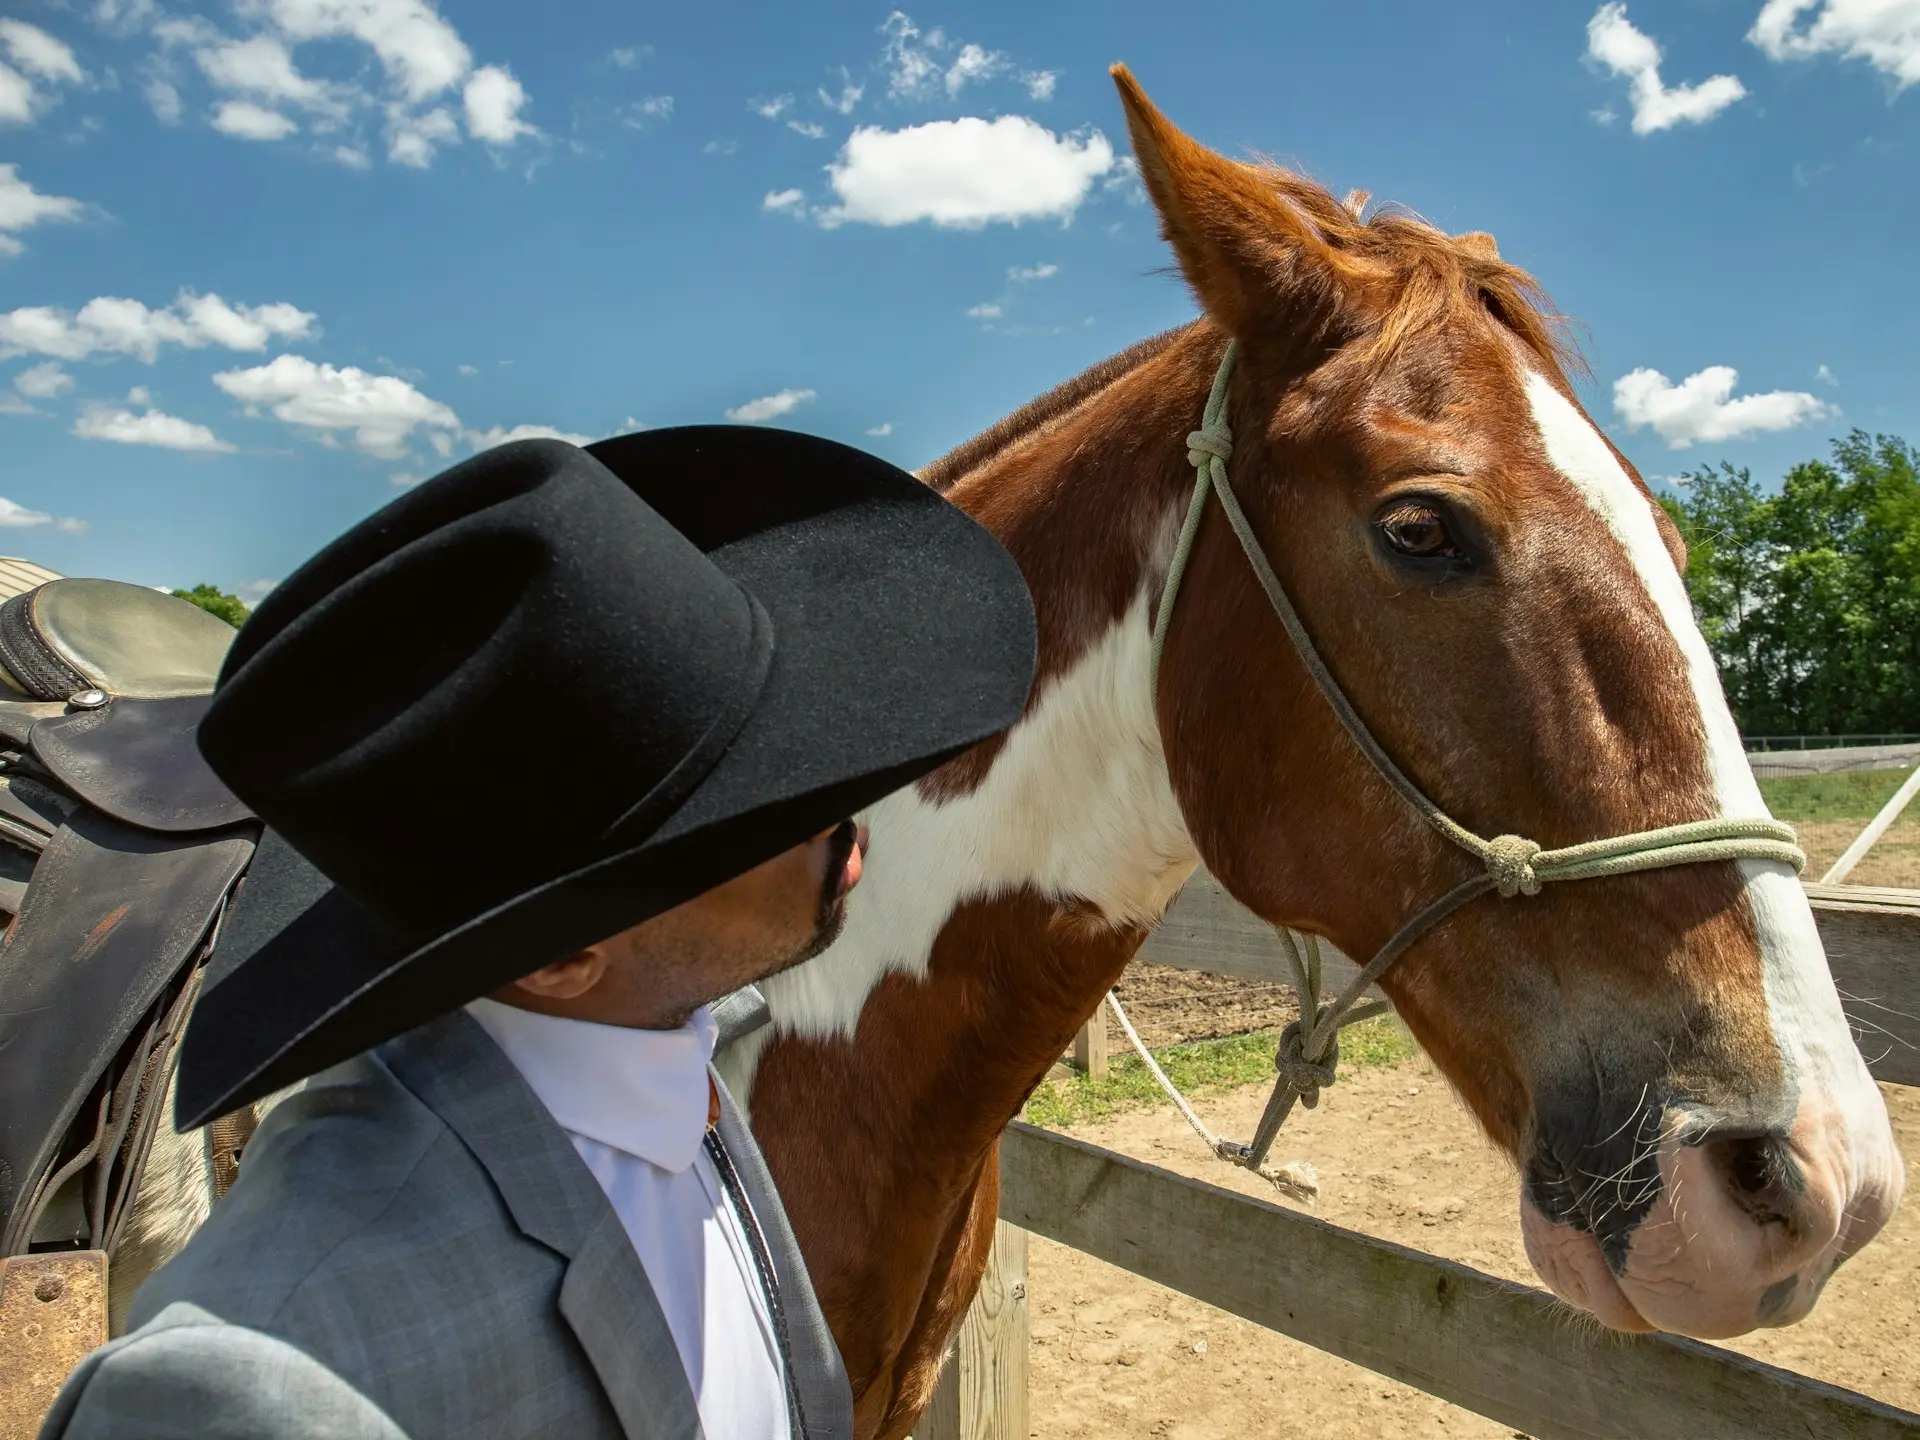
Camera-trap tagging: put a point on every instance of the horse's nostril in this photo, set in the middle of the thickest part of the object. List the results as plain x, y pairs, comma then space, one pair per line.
1762, 1175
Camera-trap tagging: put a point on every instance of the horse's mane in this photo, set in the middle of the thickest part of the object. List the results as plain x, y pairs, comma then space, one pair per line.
1428, 275
942, 473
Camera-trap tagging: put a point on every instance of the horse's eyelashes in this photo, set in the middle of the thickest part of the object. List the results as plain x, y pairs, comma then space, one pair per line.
1418, 531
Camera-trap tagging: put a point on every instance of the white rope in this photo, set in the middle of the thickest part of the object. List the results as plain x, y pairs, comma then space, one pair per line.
1153, 1068
1297, 1178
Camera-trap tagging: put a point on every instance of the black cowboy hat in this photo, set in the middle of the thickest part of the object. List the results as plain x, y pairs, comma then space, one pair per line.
555, 691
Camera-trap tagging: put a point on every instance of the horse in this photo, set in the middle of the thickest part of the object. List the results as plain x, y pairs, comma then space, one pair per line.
1499, 598
1493, 588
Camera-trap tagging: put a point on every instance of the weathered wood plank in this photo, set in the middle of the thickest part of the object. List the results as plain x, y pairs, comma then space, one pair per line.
982, 1394
1872, 939
1510, 1353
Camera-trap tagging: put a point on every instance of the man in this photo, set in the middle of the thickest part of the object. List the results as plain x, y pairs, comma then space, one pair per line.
553, 751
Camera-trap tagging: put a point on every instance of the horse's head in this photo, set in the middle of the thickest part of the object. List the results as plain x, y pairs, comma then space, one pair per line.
1493, 586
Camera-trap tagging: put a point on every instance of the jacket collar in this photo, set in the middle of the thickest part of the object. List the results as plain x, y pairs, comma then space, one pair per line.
462, 1076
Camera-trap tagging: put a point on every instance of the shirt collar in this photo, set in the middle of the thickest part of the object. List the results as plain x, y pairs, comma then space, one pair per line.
643, 1092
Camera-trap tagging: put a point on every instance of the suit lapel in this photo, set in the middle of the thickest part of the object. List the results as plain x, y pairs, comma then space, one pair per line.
818, 1373
461, 1075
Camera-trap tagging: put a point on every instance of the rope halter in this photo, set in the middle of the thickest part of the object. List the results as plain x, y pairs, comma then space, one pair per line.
1513, 865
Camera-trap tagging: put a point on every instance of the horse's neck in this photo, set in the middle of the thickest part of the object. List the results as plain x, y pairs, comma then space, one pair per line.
1064, 844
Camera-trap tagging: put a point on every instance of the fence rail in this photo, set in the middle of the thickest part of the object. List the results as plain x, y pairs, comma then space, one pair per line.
1511, 1353
1820, 742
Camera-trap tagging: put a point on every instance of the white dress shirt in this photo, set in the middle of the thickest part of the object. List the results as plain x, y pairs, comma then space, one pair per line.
634, 1103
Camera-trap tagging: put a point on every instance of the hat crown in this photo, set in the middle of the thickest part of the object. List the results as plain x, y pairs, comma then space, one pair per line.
440, 774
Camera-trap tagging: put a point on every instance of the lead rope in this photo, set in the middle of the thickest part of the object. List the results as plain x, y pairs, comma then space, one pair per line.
1512, 865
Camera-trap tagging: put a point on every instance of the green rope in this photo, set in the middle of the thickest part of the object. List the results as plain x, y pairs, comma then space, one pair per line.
1513, 865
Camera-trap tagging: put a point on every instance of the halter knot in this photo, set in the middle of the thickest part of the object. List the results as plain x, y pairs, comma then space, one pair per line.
1510, 866
1306, 1078
1202, 443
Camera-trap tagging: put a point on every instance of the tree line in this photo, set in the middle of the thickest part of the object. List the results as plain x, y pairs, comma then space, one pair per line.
1810, 598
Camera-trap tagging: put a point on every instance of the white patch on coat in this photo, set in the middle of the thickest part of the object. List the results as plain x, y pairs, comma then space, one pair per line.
1077, 806
1811, 1031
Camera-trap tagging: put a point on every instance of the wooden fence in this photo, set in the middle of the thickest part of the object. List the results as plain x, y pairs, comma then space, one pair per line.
1506, 1351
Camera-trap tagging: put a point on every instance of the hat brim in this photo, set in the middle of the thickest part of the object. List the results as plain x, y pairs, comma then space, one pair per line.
903, 636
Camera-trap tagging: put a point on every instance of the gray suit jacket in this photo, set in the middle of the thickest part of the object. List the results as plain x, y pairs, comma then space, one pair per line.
414, 1249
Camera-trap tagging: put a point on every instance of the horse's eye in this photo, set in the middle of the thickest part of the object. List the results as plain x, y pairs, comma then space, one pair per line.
1418, 530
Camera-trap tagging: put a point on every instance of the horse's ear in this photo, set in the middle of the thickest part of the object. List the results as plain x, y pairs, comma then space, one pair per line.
1249, 251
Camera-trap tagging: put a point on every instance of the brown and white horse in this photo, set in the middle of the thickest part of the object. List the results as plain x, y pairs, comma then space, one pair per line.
1662, 1054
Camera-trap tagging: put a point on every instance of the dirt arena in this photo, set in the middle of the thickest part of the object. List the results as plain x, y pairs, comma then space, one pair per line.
1399, 1158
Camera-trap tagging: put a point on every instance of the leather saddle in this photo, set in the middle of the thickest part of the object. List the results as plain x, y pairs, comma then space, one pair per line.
119, 851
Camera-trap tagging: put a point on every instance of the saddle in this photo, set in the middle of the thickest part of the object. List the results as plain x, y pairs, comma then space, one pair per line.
119, 852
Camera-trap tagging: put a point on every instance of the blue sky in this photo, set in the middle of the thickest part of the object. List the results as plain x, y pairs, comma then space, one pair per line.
263, 262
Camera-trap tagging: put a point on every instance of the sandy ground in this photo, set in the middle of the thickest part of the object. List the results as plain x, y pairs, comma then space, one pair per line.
1399, 1158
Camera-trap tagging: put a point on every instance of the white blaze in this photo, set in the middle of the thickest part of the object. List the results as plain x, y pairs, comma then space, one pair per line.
1809, 1027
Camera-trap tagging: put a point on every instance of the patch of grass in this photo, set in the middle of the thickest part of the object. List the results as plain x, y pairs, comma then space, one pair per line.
1845, 795
1204, 1067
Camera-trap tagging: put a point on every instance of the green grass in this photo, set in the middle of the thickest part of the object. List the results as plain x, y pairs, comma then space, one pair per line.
1204, 1067
1846, 795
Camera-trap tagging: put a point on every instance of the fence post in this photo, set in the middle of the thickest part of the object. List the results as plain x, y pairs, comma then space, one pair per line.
982, 1394
1090, 1044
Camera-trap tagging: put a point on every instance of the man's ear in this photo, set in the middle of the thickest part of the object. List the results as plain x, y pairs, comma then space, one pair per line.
1250, 241
566, 979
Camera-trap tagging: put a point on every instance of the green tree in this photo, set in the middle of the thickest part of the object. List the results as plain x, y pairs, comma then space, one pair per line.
215, 601
1810, 599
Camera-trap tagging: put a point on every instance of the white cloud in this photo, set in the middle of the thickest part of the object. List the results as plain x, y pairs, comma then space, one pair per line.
986, 311
973, 63
423, 55
1040, 83
1033, 272
139, 395
17, 97
382, 411
411, 138
469, 369
1826, 376
428, 78
628, 56
254, 591
648, 109
720, 147
886, 429
151, 427
494, 100
501, 435
1884, 33
15, 516
812, 129
21, 207
1702, 408
43, 381
164, 100
911, 68
769, 407
1613, 41
11, 404
38, 53
964, 173
406, 478
770, 109
263, 68
109, 325
785, 201
848, 97
247, 121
